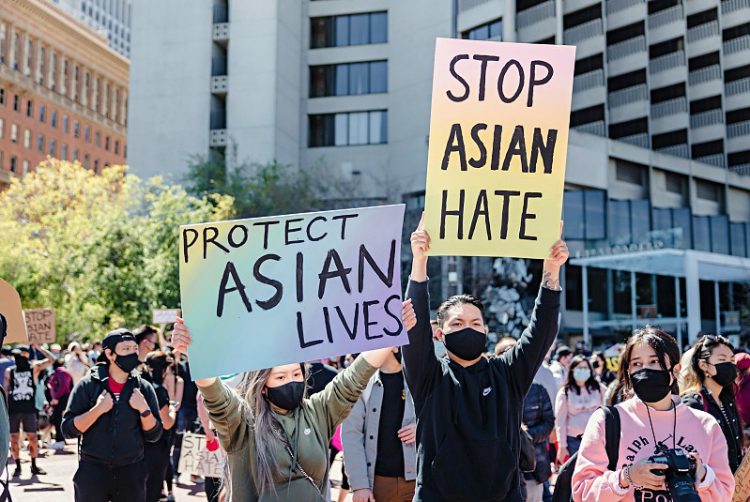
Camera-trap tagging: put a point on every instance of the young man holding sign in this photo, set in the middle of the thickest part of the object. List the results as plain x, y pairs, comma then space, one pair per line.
468, 408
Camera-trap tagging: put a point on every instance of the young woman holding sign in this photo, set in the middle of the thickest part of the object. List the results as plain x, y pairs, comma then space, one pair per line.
276, 439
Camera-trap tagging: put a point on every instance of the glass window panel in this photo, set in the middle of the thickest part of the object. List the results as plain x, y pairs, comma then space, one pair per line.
317, 81
720, 234
359, 29
375, 127
342, 31
665, 297
662, 218
573, 215
621, 292
738, 239
573, 298
384, 127
342, 80
359, 78
496, 30
341, 129
378, 28
358, 128
702, 233
378, 76
594, 214
640, 219
747, 238
597, 289
681, 219
619, 222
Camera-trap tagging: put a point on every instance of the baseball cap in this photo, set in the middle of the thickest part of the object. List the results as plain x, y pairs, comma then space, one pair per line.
114, 337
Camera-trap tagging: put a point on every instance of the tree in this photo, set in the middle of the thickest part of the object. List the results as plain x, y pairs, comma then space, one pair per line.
100, 249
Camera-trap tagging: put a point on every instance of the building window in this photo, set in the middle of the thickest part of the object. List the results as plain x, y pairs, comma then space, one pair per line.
27, 138
347, 129
76, 129
348, 79
585, 210
53, 118
14, 133
30, 109
356, 29
2, 96
25, 167
16, 103
42, 113
52, 148
98, 138
86, 160
96, 166
40, 142
117, 147
75, 155
488, 31
106, 143
87, 134
64, 152
13, 163
66, 124
2, 128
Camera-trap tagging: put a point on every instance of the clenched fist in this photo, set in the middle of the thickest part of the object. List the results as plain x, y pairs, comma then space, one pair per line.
137, 401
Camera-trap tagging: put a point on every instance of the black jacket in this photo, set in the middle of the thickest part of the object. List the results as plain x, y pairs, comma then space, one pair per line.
539, 419
468, 419
116, 438
731, 429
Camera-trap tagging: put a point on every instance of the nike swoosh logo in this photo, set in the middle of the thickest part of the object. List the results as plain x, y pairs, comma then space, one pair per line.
487, 391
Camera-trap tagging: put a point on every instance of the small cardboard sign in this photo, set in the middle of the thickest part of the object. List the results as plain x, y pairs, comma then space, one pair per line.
165, 316
196, 459
10, 307
742, 478
40, 325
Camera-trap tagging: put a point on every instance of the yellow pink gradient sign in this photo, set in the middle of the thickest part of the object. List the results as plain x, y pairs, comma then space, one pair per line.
263, 292
498, 143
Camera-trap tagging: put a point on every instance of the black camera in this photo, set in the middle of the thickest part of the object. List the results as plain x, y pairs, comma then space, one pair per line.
679, 476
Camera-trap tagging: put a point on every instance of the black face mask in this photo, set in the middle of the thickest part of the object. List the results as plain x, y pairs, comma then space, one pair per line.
288, 396
651, 386
466, 343
725, 373
127, 363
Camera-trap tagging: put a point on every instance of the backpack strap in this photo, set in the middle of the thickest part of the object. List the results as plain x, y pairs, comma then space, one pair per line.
612, 428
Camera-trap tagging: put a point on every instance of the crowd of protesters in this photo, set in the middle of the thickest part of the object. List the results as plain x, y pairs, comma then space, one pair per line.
441, 418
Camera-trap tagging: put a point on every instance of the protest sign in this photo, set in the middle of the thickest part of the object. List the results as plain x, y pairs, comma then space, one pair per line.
10, 307
40, 325
263, 292
498, 144
195, 459
165, 316
742, 478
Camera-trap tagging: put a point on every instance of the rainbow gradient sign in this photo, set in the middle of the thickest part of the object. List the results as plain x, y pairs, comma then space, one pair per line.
498, 144
263, 292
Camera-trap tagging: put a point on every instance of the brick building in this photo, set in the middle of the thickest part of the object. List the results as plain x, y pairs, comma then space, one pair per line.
63, 91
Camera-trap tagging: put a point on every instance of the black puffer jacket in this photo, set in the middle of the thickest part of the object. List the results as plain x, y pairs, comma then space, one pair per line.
116, 438
539, 419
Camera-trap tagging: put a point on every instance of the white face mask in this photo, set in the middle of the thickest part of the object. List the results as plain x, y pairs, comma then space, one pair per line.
581, 374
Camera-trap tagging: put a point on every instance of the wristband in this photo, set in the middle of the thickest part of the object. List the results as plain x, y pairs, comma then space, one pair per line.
145, 413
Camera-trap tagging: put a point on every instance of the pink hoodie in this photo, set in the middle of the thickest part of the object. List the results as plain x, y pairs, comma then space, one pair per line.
696, 431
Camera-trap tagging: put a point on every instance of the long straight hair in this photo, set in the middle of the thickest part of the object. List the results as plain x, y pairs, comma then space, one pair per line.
255, 407
592, 384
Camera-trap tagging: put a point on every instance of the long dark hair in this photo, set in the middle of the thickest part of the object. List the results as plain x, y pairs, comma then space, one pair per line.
157, 363
666, 349
703, 348
592, 384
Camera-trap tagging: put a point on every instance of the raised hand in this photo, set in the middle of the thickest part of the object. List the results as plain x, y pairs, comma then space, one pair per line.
104, 402
408, 316
420, 241
137, 401
181, 336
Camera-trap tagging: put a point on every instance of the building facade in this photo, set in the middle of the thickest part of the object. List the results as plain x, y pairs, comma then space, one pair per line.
109, 18
63, 92
658, 146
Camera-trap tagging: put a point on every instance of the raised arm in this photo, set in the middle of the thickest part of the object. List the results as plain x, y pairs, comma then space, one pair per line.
420, 362
527, 355
353, 439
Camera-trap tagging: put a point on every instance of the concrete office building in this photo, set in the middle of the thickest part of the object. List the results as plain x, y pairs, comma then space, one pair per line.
63, 92
109, 18
657, 157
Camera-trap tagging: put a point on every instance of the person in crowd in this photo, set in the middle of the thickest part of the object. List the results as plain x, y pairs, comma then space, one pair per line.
276, 439
601, 371
20, 383
175, 386
187, 414
211, 485
95, 352
146, 338
652, 422
469, 408
579, 398
559, 367
76, 362
379, 438
157, 454
4, 419
56, 350
742, 360
115, 413
320, 375
6, 360
60, 384
503, 345
713, 391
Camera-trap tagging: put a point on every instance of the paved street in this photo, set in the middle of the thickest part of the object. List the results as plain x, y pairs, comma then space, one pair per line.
57, 484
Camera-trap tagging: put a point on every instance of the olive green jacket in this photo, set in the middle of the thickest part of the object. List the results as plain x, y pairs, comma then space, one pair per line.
308, 428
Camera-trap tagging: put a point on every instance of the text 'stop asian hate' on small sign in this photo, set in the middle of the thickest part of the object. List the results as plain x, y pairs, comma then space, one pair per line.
40, 325
498, 145
263, 292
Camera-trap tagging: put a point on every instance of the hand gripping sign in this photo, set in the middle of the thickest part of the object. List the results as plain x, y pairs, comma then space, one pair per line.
263, 292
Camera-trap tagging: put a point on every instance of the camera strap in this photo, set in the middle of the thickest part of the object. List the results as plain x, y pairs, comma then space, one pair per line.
674, 426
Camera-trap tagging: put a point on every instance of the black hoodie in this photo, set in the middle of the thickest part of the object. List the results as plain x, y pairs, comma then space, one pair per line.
116, 438
468, 419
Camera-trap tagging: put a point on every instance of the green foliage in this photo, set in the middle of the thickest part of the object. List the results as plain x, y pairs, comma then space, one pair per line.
101, 250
